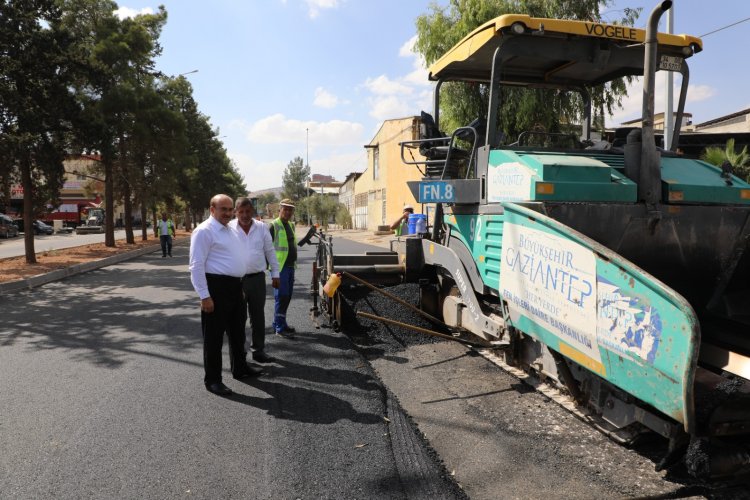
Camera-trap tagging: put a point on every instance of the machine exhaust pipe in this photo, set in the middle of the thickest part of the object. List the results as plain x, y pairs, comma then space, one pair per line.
649, 182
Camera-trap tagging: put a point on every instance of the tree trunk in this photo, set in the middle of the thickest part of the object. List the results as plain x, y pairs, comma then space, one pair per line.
28, 210
188, 223
129, 237
109, 201
144, 229
127, 193
154, 219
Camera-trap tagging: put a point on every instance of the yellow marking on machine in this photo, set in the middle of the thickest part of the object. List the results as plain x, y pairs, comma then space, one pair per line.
582, 359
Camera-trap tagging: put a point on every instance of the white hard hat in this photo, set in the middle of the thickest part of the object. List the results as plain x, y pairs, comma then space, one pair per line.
408, 207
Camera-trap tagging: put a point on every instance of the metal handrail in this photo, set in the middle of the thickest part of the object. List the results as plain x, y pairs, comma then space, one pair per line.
415, 143
440, 141
450, 148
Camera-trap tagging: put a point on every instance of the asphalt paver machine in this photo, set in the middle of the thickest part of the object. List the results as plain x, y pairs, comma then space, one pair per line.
617, 271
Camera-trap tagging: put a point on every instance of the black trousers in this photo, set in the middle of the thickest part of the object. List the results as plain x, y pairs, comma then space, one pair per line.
228, 316
166, 244
254, 287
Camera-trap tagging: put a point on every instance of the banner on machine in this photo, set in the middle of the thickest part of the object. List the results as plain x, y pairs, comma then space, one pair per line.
551, 281
510, 181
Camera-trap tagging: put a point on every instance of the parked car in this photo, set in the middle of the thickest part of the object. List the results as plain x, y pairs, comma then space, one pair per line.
7, 228
42, 228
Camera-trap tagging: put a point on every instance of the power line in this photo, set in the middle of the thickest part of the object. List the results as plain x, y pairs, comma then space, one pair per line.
725, 27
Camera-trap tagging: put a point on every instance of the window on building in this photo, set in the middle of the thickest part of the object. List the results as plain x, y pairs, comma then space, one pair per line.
376, 163
382, 196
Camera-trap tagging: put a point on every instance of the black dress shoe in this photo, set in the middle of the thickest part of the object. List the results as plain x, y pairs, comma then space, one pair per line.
289, 329
249, 372
262, 357
219, 389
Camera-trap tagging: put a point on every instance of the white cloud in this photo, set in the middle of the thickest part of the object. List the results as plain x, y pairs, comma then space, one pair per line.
419, 74
258, 175
267, 174
407, 49
632, 105
418, 77
383, 85
278, 129
402, 96
314, 7
697, 93
385, 108
237, 124
324, 99
340, 164
125, 12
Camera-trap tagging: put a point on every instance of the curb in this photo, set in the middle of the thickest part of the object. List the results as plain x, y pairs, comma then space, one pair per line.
59, 274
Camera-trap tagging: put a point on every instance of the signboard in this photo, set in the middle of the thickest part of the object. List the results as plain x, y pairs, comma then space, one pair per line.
551, 281
509, 181
436, 192
670, 63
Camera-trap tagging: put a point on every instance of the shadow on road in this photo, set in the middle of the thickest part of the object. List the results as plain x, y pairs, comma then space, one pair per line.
106, 316
302, 404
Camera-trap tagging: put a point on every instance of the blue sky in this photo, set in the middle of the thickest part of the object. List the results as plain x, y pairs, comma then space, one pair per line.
277, 75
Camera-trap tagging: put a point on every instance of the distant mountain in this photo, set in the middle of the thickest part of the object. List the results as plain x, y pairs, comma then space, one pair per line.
277, 191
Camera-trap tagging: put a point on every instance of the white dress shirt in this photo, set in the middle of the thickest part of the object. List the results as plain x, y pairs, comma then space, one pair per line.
257, 246
214, 249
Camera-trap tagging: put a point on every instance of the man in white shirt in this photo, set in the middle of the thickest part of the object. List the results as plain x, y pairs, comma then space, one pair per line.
165, 232
259, 253
216, 270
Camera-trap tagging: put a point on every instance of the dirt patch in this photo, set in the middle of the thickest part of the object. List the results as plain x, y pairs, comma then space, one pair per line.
15, 268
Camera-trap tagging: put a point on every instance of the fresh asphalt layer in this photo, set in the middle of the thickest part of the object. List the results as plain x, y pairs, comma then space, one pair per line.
103, 397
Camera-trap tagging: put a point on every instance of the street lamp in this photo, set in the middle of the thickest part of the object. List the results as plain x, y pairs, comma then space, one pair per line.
189, 72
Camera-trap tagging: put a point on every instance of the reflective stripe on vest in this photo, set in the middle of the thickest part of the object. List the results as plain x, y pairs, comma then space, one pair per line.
400, 228
280, 243
170, 227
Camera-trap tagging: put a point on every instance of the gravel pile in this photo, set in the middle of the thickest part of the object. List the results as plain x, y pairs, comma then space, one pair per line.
389, 338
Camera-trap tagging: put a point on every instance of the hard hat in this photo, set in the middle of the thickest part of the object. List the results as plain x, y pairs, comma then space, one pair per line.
286, 202
408, 207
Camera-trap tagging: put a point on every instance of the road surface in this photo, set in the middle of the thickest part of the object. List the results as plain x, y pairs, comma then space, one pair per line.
103, 397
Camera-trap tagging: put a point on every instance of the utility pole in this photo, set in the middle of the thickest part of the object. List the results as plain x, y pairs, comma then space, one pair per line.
307, 152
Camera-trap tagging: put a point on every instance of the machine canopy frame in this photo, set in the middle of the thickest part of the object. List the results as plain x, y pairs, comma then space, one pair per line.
554, 52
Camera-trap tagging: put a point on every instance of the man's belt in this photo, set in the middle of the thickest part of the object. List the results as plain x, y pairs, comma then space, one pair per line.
252, 275
223, 277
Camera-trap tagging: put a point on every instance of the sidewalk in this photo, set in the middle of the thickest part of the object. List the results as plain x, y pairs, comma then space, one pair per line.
65, 272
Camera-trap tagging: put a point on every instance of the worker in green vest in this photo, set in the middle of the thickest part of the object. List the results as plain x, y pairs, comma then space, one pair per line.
285, 244
400, 225
165, 232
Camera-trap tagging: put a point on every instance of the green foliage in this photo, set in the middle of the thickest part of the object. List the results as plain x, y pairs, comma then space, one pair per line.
36, 104
303, 211
343, 217
75, 78
740, 161
442, 27
266, 199
322, 208
295, 176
